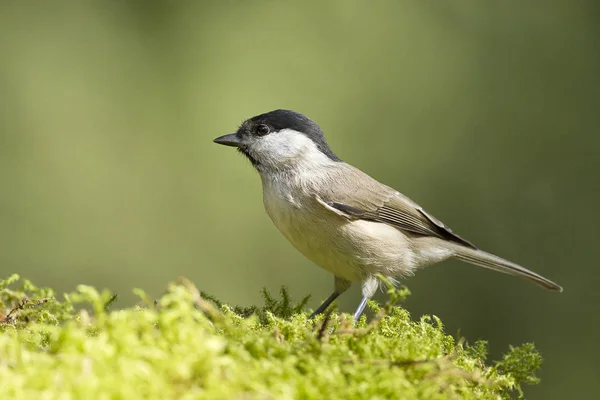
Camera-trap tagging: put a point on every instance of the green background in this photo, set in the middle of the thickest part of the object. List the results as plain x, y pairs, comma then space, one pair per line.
485, 113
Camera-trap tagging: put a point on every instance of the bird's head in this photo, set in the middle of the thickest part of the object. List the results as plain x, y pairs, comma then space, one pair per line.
280, 140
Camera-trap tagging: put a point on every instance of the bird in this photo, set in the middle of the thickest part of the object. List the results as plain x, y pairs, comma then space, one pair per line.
342, 219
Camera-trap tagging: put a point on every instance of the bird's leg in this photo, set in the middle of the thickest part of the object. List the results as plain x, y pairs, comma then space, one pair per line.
340, 286
325, 304
369, 287
360, 308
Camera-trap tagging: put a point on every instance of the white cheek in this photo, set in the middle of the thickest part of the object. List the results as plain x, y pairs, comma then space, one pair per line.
288, 147
284, 144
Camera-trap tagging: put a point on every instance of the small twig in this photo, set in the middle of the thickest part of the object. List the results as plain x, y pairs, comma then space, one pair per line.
453, 371
201, 303
14, 310
109, 302
405, 363
324, 325
9, 318
277, 335
378, 317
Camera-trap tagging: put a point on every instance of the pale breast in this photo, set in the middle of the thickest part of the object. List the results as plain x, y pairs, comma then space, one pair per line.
348, 249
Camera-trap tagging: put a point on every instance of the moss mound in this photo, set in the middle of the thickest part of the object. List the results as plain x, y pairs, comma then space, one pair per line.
189, 346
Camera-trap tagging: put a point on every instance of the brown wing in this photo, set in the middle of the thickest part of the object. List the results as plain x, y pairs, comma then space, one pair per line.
374, 201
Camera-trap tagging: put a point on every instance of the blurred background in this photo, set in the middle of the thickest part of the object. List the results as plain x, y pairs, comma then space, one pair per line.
485, 113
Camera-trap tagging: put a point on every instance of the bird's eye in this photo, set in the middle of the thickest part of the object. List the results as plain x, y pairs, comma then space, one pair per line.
262, 129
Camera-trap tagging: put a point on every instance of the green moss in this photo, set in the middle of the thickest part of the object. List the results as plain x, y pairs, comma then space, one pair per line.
185, 346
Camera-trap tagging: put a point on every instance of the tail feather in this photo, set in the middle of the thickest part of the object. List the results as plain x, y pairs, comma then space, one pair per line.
490, 261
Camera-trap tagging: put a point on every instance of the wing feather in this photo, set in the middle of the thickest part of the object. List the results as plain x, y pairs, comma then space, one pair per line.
380, 203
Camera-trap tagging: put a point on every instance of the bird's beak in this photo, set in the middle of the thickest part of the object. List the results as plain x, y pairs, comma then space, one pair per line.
229, 140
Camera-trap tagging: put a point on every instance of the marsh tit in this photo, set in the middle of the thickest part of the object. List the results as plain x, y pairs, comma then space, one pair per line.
342, 219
